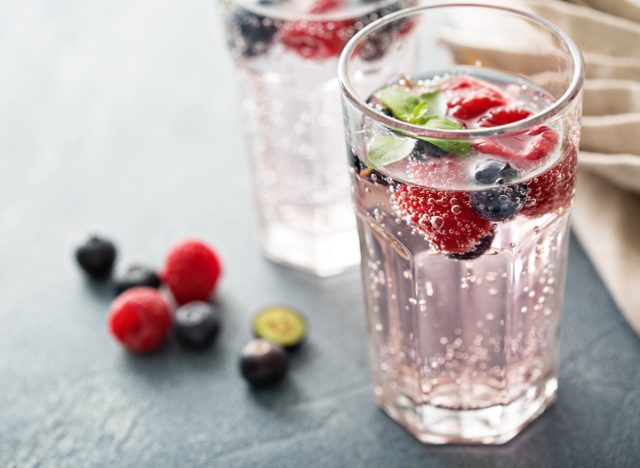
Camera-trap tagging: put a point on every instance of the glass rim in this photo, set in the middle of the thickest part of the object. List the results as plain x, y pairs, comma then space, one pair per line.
558, 105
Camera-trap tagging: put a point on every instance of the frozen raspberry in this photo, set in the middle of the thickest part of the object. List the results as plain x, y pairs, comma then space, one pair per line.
553, 188
316, 40
503, 116
446, 218
140, 319
325, 6
532, 145
191, 271
468, 97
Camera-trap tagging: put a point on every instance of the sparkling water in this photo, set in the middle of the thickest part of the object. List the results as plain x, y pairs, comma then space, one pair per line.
286, 57
465, 349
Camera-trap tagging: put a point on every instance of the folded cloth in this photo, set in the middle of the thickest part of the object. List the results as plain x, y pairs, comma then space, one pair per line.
606, 217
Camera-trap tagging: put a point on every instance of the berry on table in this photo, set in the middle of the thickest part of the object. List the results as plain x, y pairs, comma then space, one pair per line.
140, 319
196, 324
251, 34
281, 325
135, 276
263, 362
191, 271
96, 257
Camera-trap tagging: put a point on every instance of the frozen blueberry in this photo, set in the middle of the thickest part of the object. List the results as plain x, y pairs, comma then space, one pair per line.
196, 324
366, 172
495, 172
481, 248
263, 362
424, 150
250, 33
96, 257
501, 203
134, 276
354, 161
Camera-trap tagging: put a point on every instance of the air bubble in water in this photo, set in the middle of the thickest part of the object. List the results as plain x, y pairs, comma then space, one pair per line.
437, 222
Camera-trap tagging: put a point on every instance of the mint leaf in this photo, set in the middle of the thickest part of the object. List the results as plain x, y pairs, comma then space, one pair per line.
388, 149
436, 102
400, 102
420, 114
457, 147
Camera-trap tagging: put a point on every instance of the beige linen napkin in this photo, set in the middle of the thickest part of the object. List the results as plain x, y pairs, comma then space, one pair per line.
607, 211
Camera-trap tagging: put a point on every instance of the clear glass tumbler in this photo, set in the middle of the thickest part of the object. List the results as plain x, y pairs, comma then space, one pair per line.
463, 156
285, 54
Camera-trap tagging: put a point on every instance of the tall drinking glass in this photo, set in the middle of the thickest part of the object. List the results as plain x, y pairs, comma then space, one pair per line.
285, 54
463, 161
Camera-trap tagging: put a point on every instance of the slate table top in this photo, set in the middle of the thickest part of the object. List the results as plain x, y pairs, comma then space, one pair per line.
118, 117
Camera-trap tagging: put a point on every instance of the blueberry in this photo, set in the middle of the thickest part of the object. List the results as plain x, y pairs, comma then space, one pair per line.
196, 324
250, 33
481, 248
263, 362
96, 257
377, 44
280, 324
354, 161
501, 203
495, 172
424, 150
134, 276
379, 41
363, 171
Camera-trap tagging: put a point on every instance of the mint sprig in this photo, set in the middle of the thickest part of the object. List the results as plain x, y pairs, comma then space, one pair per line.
457, 147
387, 149
422, 110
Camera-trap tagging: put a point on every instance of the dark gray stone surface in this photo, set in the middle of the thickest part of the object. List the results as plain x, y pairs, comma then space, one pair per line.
119, 117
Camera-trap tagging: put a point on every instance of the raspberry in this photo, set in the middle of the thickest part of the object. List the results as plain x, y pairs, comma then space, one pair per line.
532, 145
191, 271
447, 218
325, 6
553, 188
140, 319
316, 40
503, 116
468, 98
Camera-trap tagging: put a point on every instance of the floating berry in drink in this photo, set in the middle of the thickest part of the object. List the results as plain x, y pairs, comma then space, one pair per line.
251, 34
447, 218
469, 97
553, 189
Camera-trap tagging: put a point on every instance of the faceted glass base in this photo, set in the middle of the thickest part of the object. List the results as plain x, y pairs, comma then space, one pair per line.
492, 425
322, 254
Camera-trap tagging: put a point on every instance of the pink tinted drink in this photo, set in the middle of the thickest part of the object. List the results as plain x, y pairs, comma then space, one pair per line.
464, 234
286, 55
